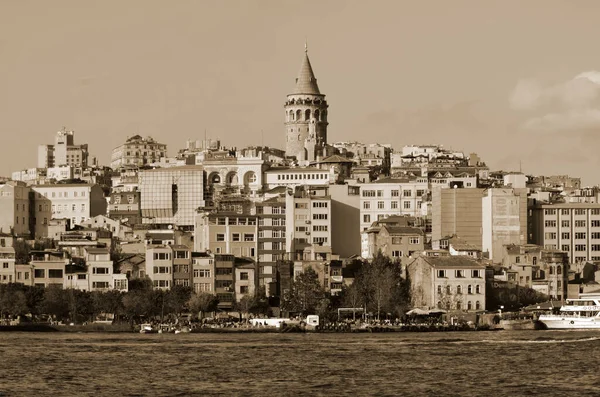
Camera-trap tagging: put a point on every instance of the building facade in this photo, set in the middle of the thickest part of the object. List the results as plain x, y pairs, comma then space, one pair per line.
137, 151
504, 220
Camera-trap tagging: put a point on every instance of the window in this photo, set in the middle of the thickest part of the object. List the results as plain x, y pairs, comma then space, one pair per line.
550, 223
407, 193
319, 240
244, 276
580, 247
549, 212
368, 193
580, 235
181, 254
459, 273
470, 289
39, 273
565, 235
161, 283
81, 276
380, 205
202, 287
565, 211
394, 205
55, 273
235, 237
469, 305
439, 289
566, 247
459, 289
414, 240
220, 237
205, 273
396, 240
420, 192
595, 235
441, 274
406, 205
478, 289
221, 221
100, 270
565, 223
162, 256
580, 223
101, 284
244, 289
319, 216
396, 254
477, 305
475, 273
395, 193
580, 211
320, 228
5, 265
380, 193
595, 211
248, 236
596, 223
550, 236
320, 204
367, 218
367, 205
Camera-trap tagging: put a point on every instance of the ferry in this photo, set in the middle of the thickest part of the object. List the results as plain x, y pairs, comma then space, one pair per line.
581, 313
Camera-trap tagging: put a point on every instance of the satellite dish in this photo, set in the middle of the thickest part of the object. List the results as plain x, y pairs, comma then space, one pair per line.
170, 227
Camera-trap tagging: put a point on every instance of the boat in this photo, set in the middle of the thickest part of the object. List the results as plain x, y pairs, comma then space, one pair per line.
580, 313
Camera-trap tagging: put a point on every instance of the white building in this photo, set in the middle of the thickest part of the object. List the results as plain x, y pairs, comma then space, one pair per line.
284, 176
504, 220
390, 196
63, 152
159, 265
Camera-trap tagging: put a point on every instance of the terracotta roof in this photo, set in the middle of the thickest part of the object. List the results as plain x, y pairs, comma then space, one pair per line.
306, 83
335, 159
460, 261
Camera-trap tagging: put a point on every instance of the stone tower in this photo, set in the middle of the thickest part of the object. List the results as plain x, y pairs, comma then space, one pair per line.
305, 116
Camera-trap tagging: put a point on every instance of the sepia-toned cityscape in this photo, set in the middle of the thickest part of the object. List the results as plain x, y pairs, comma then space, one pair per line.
307, 259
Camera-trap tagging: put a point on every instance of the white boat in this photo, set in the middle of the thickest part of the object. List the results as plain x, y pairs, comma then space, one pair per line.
580, 313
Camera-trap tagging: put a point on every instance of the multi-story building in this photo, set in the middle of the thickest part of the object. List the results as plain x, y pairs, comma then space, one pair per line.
48, 267
271, 239
244, 280
125, 206
570, 227
159, 265
226, 233
100, 269
7, 265
225, 281
137, 151
345, 219
171, 196
390, 196
203, 272
74, 202
456, 212
308, 223
396, 242
15, 209
182, 265
297, 176
63, 152
229, 174
447, 282
305, 116
504, 220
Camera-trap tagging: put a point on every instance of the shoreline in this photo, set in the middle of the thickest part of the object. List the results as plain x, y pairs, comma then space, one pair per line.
126, 328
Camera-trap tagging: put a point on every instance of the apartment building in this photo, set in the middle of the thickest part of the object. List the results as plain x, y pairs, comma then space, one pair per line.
226, 233
308, 223
453, 283
284, 176
14, 209
271, 238
396, 242
245, 275
7, 265
137, 151
73, 202
182, 265
159, 265
570, 227
390, 196
203, 272
63, 152
225, 281
48, 267
125, 206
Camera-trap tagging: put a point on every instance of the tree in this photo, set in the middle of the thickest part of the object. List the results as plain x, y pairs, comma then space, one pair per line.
304, 294
203, 303
138, 303
55, 302
13, 301
351, 298
80, 304
177, 299
110, 302
22, 250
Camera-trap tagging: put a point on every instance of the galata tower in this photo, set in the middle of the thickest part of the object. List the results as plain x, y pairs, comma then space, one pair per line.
305, 116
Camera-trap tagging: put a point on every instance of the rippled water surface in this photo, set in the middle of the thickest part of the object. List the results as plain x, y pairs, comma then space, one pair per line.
501, 363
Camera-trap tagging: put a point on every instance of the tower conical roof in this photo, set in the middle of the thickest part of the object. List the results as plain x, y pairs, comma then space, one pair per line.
306, 83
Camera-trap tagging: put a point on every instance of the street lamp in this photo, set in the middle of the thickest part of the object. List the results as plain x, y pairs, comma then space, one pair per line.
500, 310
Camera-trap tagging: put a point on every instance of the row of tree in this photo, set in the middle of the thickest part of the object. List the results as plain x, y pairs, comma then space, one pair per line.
141, 302
378, 288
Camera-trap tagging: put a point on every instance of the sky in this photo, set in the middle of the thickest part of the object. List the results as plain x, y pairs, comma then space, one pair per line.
516, 82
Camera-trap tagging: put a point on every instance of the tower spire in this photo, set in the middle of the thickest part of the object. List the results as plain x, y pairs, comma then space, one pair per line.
305, 45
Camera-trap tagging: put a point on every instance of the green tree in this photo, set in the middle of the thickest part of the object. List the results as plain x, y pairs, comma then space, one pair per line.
203, 303
13, 301
177, 299
80, 304
304, 294
109, 302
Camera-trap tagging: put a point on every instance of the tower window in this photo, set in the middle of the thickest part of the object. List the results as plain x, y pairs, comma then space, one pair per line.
307, 114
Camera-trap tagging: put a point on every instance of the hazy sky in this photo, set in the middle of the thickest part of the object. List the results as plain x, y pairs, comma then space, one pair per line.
510, 80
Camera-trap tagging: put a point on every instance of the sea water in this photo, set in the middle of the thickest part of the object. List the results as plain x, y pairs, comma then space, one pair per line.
501, 363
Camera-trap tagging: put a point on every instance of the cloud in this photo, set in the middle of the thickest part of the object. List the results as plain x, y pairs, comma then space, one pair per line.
580, 91
572, 120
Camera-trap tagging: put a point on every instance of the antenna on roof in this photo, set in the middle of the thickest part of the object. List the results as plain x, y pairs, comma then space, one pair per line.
305, 45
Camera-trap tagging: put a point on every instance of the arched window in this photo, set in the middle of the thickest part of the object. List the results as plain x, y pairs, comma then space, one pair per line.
478, 289
307, 114
317, 114
324, 115
459, 289
291, 115
298, 115
439, 305
477, 305
551, 269
458, 305
470, 289
469, 305
559, 270
534, 260
448, 290
298, 136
